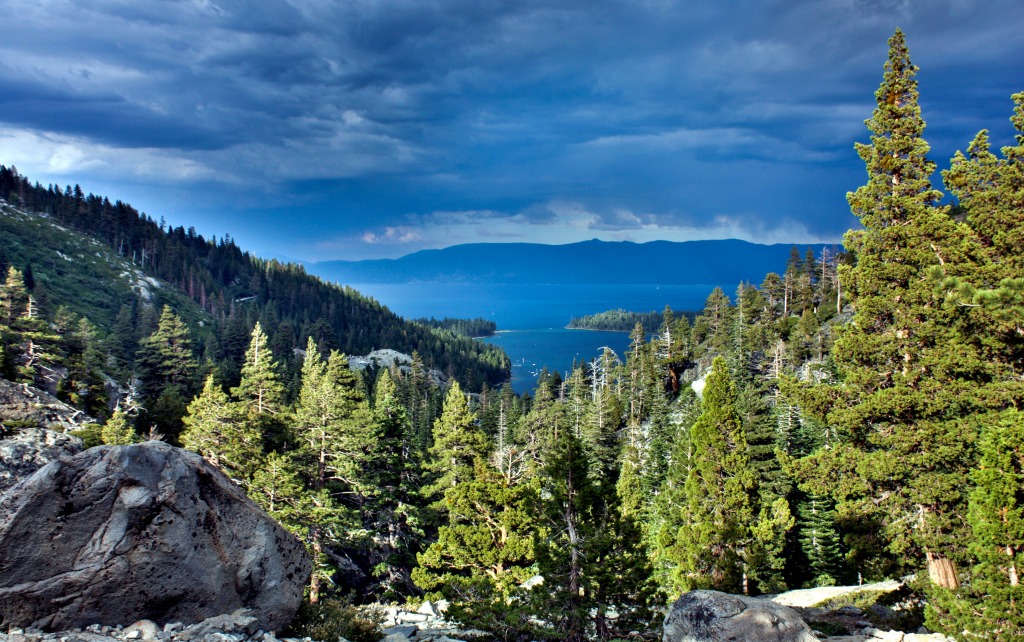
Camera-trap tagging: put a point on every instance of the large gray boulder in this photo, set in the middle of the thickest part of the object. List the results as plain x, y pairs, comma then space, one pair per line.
121, 533
711, 616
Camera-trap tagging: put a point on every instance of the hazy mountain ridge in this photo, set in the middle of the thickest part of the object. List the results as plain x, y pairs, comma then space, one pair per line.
587, 262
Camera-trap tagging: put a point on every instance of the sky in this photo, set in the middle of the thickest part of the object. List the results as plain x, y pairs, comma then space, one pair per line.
318, 129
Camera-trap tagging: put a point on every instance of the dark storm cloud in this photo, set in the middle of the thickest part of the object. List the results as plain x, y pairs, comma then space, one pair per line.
392, 125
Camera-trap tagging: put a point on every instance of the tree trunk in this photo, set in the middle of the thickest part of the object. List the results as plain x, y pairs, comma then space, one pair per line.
314, 579
942, 571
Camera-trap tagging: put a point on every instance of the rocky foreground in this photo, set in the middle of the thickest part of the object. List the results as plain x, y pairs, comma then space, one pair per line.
422, 625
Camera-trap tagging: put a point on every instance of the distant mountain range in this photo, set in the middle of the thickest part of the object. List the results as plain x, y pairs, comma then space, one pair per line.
589, 262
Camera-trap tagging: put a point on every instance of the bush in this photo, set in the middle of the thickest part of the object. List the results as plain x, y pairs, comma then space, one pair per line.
90, 434
331, 618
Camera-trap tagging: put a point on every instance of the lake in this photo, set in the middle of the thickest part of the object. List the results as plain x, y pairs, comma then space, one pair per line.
531, 318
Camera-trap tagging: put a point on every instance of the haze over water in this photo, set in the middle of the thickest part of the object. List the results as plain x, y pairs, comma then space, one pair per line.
532, 318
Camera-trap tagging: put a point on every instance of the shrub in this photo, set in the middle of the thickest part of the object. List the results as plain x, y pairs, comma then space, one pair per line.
331, 618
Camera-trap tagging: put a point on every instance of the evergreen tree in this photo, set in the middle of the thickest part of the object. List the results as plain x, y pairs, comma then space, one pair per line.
570, 497
118, 431
393, 515
707, 533
990, 605
713, 326
485, 548
215, 427
167, 353
334, 439
83, 386
820, 541
167, 367
278, 489
592, 556
458, 444
34, 347
260, 391
489, 536
908, 378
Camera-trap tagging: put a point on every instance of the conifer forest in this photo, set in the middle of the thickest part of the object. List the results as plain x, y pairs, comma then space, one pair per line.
853, 417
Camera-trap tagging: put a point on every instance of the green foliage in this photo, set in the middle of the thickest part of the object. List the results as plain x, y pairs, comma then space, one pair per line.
458, 444
489, 534
215, 427
909, 378
990, 603
478, 605
708, 523
620, 320
591, 555
260, 391
820, 541
393, 514
334, 618
118, 431
463, 327
90, 434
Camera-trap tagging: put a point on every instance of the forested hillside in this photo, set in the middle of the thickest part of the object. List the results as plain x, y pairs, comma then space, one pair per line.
619, 320
232, 288
852, 418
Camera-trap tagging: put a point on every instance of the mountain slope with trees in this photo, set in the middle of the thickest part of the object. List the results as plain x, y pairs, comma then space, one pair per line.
231, 288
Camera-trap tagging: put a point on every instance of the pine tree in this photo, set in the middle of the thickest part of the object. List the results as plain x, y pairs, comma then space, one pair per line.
991, 192
393, 515
215, 427
167, 368
118, 431
335, 425
485, 547
488, 536
995, 594
260, 390
570, 496
34, 347
458, 444
335, 437
592, 555
714, 324
820, 541
708, 530
908, 378
167, 353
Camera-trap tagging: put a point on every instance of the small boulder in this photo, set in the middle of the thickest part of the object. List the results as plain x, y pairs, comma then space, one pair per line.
142, 630
121, 533
408, 630
711, 616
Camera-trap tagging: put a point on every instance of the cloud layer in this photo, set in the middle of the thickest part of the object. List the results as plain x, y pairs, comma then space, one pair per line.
322, 129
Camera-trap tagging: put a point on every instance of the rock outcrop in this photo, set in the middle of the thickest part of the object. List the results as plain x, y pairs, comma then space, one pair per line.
710, 616
29, 449
121, 533
32, 431
26, 406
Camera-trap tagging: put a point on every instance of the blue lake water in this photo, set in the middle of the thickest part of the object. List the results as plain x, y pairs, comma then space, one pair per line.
531, 318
